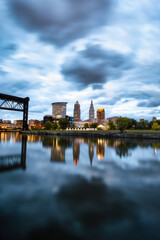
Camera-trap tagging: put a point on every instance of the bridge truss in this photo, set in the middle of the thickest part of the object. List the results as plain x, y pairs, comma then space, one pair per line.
8, 102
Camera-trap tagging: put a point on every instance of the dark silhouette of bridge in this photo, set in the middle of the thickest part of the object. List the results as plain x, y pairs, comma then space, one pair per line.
13, 103
10, 162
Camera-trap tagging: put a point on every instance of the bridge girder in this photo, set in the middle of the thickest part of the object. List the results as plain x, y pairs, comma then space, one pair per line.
14, 103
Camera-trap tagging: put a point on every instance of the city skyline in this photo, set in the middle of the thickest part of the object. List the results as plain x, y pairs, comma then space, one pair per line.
107, 51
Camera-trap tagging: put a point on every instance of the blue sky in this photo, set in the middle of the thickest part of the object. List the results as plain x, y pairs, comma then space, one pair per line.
69, 50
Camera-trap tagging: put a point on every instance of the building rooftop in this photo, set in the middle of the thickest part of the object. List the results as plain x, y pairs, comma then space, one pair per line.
59, 103
100, 109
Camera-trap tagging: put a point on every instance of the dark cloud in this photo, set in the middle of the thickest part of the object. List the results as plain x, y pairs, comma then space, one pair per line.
7, 50
95, 65
17, 87
151, 102
61, 22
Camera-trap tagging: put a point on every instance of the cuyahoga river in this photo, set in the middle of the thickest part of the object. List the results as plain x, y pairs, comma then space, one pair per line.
78, 188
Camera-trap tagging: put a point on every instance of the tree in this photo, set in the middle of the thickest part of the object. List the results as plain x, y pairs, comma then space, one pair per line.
132, 123
54, 126
86, 125
48, 125
94, 125
122, 123
112, 126
63, 123
155, 126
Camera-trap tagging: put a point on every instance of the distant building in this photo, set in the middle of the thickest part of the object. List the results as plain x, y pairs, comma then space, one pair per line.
34, 122
112, 119
91, 112
18, 123
100, 114
47, 118
141, 120
1, 121
77, 111
59, 110
6, 121
154, 119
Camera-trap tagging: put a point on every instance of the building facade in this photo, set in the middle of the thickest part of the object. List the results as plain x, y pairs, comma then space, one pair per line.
77, 111
59, 110
91, 112
100, 114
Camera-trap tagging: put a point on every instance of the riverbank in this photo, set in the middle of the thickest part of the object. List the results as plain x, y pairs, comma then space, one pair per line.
102, 134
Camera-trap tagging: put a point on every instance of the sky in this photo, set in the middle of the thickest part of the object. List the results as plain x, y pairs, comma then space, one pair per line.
107, 51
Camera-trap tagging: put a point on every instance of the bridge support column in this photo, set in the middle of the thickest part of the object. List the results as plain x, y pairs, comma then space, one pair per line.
25, 114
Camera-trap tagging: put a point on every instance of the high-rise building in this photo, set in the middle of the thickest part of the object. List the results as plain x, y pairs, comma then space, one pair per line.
100, 114
91, 112
59, 110
77, 111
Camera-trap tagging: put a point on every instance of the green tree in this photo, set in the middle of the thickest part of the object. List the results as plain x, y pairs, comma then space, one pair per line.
132, 123
122, 123
54, 126
48, 125
155, 126
112, 126
63, 123
94, 125
86, 125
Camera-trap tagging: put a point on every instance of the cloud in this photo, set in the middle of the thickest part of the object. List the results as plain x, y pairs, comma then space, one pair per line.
7, 50
95, 66
61, 22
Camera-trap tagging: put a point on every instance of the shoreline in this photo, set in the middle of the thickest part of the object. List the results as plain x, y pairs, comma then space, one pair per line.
94, 134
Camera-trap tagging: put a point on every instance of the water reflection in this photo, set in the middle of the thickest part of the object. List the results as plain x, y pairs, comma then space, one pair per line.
76, 150
116, 198
14, 161
58, 145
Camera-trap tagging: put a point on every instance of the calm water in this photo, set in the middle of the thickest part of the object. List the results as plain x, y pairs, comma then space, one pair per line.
78, 188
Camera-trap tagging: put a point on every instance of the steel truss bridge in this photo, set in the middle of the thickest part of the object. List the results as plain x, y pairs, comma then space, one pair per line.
8, 102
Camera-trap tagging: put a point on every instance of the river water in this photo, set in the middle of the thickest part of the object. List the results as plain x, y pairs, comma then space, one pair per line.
78, 188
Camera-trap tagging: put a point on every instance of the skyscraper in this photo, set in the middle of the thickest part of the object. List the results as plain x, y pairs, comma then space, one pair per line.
100, 114
91, 112
77, 111
59, 110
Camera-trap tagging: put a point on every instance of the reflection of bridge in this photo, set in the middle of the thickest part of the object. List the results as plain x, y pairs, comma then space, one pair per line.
15, 161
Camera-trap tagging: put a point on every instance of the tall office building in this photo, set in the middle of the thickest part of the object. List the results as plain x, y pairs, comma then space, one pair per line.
91, 112
77, 111
59, 110
100, 114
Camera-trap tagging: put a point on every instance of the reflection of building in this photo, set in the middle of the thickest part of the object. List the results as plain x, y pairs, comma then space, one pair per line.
100, 114
91, 112
59, 110
58, 154
91, 152
77, 111
57, 150
76, 151
100, 149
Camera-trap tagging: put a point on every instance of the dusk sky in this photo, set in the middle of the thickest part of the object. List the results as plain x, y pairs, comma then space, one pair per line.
107, 51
